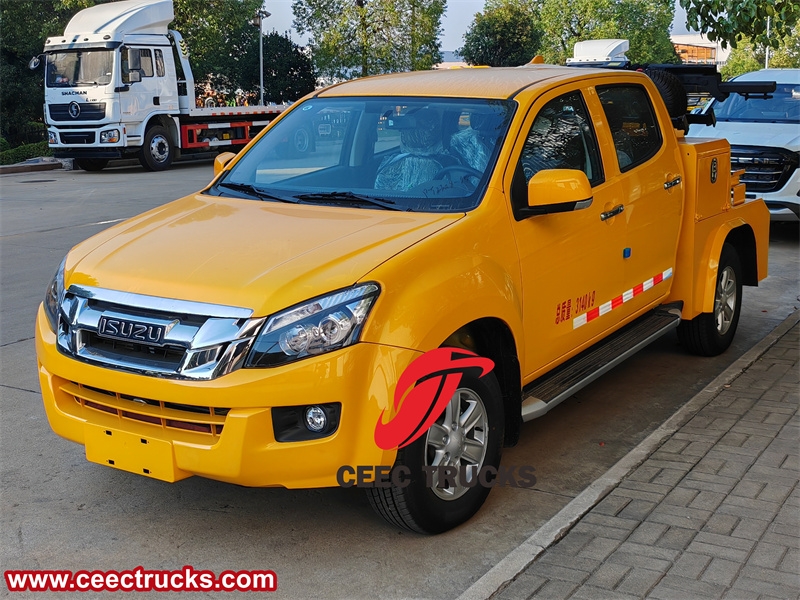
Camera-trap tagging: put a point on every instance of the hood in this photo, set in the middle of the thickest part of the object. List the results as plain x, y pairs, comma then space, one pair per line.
264, 256
775, 135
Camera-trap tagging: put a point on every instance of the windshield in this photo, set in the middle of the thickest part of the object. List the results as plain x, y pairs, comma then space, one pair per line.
79, 68
783, 107
418, 154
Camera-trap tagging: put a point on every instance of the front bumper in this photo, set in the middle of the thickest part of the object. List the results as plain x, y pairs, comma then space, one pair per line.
84, 141
103, 410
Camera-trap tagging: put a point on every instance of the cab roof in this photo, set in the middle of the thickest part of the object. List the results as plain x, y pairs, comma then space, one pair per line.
478, 82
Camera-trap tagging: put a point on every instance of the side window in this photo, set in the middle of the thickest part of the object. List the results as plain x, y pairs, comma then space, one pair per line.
561, 137
136, 59
160, 63
146, 61
632, 120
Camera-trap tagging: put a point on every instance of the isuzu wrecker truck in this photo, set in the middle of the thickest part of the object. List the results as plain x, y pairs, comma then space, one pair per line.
118, 83
387, 309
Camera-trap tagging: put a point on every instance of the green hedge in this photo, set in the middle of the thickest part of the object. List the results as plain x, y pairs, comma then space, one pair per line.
23, 153
4, 145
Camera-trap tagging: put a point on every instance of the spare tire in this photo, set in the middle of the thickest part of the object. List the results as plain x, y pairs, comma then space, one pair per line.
671, 90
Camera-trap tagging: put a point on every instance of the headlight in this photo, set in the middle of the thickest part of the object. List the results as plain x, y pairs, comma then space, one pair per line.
54, 295
109, 137
320, 325
52, 138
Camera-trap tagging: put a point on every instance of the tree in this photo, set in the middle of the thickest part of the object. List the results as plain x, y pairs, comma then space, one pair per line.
737, 20
25, 25
504, 35
645, 23
748, 57
422, 25
218, 33
288, 71
363, 37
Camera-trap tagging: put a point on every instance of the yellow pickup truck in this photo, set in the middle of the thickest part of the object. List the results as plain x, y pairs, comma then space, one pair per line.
386, 308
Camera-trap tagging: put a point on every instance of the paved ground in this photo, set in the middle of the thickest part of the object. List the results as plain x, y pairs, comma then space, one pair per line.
713, 512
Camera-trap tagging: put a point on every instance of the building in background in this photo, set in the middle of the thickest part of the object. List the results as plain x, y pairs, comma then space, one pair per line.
697, 49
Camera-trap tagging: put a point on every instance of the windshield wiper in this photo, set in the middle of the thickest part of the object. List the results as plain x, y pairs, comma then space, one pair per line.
254, 192
348, 198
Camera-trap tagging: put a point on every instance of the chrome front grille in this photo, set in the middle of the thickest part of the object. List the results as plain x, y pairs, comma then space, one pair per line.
766, 169
201, 419
196, 340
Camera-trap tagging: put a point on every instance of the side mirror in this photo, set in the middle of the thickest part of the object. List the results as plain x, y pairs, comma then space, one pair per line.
134, 76
34, 63
556, 191
221, 160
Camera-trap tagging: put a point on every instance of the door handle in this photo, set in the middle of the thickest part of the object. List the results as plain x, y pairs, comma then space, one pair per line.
612, 213
672, 183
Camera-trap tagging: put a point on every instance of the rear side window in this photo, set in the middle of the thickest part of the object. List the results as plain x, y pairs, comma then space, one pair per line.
159, 63
630, 115
561, 137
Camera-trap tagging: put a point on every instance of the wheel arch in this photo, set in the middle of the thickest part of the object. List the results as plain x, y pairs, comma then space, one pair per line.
492, 338
744, 242
167, 123
740, 235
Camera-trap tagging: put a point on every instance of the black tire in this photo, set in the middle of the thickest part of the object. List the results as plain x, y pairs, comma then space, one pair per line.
671, 90
424, 509
91, 164
710, 334
157, 152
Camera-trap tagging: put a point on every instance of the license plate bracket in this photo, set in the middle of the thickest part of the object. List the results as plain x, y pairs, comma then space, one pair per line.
132, 452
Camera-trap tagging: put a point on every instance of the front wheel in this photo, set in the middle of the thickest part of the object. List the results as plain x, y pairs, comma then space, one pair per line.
710, 334
157, 152
447, 465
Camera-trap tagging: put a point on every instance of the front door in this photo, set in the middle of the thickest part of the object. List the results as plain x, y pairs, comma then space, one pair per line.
571, 262
139, 77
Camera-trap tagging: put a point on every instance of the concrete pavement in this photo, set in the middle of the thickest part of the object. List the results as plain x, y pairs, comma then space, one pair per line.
707, 507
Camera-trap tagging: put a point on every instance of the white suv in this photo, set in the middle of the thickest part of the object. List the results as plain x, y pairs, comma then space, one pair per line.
765, 140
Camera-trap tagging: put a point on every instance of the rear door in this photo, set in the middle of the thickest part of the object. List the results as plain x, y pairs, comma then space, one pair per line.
645, 166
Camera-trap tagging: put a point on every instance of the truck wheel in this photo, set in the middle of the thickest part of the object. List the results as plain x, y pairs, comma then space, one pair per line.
91, 164
671, 90
157, 152
469, 437
710, 334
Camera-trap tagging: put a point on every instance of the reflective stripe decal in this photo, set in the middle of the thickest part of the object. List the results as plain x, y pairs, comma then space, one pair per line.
626, 296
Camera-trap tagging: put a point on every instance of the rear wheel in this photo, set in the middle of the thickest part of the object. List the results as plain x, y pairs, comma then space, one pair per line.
710, 334
467, 437
157, 152
91, 164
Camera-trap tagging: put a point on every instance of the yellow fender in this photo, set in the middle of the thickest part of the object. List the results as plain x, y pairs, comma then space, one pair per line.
708, 284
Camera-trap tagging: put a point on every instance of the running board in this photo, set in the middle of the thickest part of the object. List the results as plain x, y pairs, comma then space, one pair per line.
541, 395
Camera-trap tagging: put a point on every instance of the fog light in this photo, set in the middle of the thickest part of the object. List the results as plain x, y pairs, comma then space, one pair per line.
109, 137
316, 419
52, 137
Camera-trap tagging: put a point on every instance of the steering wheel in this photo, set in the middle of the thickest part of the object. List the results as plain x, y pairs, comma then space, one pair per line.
456, 169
